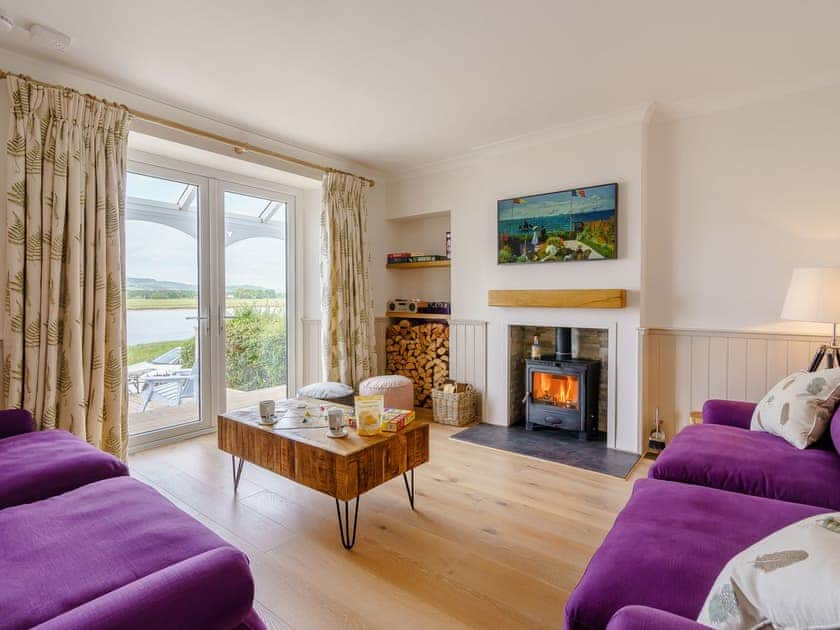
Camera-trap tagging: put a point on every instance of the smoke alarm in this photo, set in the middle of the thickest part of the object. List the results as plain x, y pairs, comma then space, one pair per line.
6, 23
48, 38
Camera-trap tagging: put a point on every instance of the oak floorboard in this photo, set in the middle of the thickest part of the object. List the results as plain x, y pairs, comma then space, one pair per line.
497, 540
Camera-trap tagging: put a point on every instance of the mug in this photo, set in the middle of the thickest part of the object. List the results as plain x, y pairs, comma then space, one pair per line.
266, 410
335, 419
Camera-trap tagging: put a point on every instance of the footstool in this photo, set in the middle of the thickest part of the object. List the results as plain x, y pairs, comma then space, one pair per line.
337, 393
397, 390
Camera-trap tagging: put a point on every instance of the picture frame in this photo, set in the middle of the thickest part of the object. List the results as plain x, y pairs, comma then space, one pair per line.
576, 224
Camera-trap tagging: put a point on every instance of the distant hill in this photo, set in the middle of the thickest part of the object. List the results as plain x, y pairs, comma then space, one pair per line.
150, 284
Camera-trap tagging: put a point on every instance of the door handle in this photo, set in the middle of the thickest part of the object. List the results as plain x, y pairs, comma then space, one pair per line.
222, 318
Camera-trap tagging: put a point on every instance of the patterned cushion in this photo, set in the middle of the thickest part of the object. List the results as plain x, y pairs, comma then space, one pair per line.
799, 407
326, 391
787, 580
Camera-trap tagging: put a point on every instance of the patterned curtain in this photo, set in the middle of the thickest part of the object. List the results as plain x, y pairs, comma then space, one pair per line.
64, 324
347, 335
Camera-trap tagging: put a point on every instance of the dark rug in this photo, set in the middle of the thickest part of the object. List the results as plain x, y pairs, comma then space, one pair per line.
553, 446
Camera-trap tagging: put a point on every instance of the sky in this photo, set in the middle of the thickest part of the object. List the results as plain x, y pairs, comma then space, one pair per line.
166, 253
551, 204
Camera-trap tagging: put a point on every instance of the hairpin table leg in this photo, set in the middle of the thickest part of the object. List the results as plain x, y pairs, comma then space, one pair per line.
348, 537
237, 471
410, 490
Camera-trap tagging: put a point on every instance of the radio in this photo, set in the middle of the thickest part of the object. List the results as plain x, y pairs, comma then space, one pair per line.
403, 305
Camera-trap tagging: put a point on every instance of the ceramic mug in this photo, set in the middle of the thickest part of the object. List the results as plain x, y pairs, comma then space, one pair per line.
267, 411
335, 420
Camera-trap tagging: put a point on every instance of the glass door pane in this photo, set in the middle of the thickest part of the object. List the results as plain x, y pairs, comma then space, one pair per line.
255, 297
165, 331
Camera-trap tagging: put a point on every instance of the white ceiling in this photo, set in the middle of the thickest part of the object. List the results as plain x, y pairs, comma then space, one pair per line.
396, 84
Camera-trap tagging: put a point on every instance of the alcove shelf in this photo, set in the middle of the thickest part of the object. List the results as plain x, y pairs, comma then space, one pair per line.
419, 265
430, 316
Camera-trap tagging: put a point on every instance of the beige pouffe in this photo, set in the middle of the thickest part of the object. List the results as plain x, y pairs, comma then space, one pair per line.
397, 390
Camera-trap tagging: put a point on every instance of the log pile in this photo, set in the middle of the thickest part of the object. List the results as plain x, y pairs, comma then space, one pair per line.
420, 352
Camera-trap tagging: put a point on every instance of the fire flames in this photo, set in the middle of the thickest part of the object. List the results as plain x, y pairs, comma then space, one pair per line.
560, 390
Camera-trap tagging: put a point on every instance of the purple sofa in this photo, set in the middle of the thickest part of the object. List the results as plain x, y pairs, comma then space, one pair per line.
86, 546
723, 453
715, 490
667, 547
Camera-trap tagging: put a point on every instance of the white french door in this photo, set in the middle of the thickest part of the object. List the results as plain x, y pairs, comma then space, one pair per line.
209, 293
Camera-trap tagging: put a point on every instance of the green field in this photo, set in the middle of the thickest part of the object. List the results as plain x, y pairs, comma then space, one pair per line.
141, 304
148, 351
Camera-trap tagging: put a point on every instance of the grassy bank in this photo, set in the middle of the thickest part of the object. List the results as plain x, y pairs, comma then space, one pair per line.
147, 351
143, 304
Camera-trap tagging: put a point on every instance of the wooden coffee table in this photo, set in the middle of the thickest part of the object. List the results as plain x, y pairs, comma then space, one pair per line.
343, 468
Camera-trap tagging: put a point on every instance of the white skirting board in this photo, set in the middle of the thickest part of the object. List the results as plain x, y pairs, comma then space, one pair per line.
683, 368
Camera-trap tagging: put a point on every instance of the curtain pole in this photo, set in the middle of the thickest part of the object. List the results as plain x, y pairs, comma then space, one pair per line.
238, 147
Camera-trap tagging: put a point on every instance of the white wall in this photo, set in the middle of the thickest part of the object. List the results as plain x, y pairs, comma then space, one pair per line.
311, 232
737, 199
470, 192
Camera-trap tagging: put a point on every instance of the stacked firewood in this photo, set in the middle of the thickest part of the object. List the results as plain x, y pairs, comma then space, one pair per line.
420, 352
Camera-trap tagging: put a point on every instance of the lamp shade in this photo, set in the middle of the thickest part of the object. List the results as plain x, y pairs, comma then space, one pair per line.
813, 295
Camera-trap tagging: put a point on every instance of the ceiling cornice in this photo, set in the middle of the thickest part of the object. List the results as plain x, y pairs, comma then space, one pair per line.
733, 100
633, 116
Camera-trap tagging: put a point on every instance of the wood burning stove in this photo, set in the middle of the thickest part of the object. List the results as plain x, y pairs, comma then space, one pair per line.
562, 392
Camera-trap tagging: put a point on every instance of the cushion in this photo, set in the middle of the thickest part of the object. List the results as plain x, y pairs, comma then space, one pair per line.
799, 407
88, 542
751, 462
329, 390
668, 546
787, 580
42, 464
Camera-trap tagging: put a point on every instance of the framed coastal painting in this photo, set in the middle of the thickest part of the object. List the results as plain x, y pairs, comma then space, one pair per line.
575, 224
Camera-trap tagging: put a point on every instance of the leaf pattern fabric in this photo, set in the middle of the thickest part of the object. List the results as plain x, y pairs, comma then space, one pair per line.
799, 407
66, 173
770, 562
347, 319
787, 580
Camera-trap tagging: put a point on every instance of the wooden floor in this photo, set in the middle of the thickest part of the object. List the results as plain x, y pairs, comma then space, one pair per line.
497, 540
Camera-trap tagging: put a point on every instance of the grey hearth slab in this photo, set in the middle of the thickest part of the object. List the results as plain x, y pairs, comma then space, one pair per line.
553, 446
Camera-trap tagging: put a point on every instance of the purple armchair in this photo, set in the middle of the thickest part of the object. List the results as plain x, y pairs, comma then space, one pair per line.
36, 465
212, 590
15, 422
105, 551
723, 453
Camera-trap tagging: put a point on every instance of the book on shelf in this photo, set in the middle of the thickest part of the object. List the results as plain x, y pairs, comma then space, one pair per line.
416, 258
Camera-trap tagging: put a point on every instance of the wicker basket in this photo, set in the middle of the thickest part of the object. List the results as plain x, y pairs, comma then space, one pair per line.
455, 409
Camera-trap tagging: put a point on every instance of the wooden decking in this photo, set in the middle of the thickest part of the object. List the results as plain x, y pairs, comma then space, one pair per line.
497, 540
159, 416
